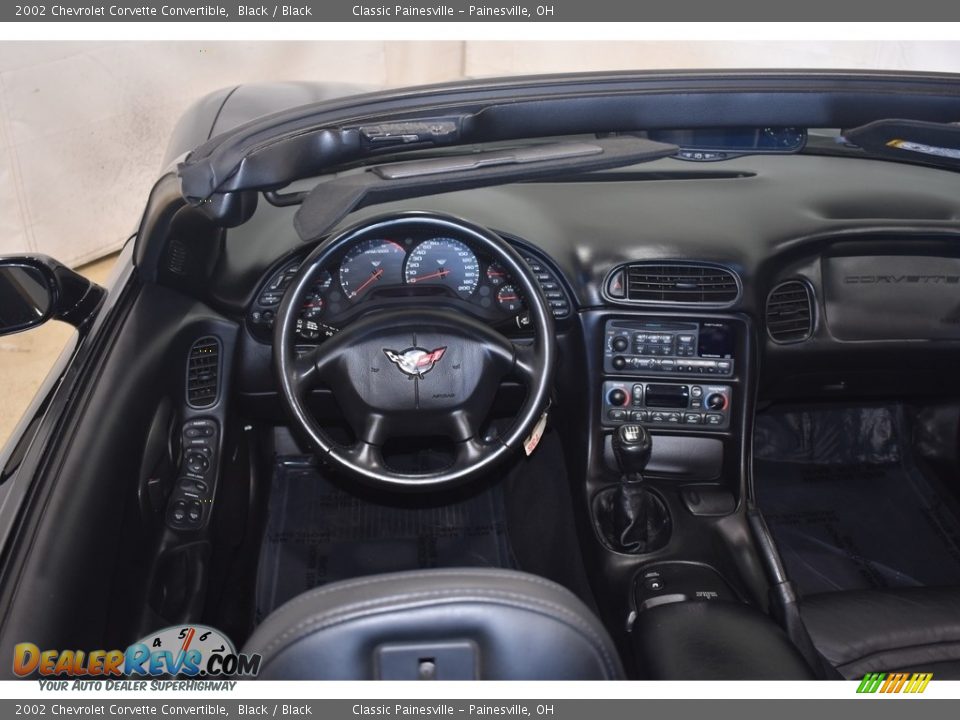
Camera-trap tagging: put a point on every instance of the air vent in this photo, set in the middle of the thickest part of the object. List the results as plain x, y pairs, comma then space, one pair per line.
177, 258
203, 373
790, 312
693, 284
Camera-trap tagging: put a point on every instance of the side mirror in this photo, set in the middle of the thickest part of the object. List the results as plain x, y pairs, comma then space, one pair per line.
36, 288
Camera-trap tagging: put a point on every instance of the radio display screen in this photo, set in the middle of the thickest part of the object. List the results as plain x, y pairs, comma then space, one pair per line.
716, 341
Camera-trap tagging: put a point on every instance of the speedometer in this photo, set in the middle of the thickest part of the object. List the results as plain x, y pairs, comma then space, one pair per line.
371, 264
444, 261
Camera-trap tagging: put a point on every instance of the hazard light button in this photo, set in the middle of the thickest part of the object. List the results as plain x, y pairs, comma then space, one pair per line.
616, 285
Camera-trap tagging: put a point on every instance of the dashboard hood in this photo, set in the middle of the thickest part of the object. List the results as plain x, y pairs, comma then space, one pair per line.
316, 138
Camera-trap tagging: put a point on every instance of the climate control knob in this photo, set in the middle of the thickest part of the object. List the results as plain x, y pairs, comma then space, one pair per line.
620, 343
716, 401
618, 397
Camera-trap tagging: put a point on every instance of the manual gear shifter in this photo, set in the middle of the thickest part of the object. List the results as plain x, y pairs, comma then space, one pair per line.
631, 518
632, 446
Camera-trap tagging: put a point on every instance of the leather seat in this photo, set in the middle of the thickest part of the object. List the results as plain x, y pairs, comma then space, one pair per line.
436, 624
905, 630
714, 640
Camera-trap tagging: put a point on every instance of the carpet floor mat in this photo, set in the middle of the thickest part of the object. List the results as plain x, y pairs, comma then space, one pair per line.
847, 505
318, 533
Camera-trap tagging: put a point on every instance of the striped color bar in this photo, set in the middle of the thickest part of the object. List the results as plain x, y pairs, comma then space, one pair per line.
894, 682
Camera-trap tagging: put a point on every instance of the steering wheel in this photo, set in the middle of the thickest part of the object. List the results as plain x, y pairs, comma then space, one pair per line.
418, 370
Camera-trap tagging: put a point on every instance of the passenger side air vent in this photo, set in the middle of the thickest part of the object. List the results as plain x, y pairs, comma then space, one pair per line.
203, 373
687, 283
790, 312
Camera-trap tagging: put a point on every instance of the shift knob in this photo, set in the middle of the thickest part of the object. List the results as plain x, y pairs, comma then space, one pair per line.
631, 446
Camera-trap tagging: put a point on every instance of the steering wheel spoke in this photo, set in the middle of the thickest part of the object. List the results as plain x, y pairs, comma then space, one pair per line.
525, 366
362, 454
471, 451
312, 368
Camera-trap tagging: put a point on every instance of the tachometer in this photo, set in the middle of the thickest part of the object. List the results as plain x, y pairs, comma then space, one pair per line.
371, 264
444, 261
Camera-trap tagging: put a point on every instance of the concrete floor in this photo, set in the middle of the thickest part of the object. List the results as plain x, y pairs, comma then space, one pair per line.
26, 358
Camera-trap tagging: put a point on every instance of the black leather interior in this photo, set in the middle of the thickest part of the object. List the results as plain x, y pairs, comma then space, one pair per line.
910, 629
632, 519
714, 640
456, 624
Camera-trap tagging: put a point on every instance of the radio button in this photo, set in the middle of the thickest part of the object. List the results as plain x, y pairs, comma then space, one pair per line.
724, 365
620, 343
619, 363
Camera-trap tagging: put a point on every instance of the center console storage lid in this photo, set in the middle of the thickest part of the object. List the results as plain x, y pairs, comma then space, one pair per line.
714, 640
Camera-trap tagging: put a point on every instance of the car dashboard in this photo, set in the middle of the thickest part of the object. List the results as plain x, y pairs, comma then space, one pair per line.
377, 272
683, 300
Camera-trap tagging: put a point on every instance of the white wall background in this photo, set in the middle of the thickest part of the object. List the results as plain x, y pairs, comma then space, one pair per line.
83, 125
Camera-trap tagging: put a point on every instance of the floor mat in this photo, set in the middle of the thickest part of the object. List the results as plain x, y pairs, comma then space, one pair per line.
848, 506
318, 533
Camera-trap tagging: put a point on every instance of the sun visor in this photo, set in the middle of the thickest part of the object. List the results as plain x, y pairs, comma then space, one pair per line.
910, 140
330, 201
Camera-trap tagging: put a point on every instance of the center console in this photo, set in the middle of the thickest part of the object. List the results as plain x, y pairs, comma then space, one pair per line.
668, 349
682, 377
670, 530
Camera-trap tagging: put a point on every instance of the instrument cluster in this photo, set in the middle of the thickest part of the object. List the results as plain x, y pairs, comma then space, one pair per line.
389, 270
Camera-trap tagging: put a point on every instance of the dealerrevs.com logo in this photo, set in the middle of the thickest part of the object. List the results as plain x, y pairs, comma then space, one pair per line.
889, 683
192, 651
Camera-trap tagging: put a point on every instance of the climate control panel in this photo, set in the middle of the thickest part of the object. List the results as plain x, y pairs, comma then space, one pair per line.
694, 405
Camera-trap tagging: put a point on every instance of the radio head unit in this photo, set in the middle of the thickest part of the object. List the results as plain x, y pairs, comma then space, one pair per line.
669, 347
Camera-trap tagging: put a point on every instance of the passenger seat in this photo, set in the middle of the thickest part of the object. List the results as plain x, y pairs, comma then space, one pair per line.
897, 630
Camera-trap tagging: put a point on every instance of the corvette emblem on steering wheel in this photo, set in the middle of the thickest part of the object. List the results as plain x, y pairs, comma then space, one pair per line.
415, 361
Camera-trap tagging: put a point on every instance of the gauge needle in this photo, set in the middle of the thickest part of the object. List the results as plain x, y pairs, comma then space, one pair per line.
376, 275
438, 274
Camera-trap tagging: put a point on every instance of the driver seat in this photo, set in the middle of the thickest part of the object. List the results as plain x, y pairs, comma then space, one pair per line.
449, 624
